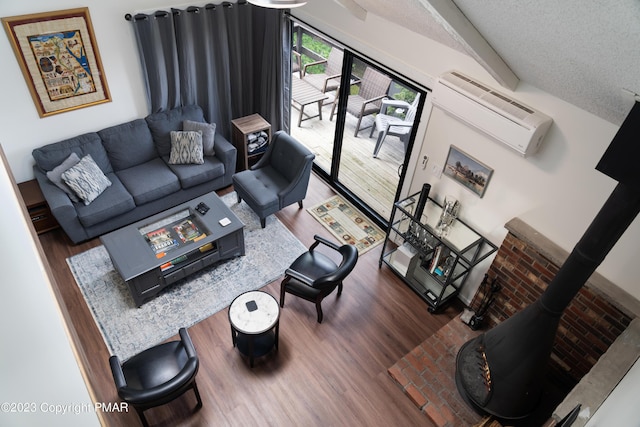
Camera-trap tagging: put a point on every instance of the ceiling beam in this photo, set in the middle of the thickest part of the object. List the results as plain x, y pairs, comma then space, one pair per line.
460, 28
353, 7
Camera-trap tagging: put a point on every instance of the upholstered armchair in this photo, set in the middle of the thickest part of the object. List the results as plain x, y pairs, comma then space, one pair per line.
314, 275
279, 179
158, 375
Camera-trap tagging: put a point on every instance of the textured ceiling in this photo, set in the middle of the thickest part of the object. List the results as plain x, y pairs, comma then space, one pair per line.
584, 52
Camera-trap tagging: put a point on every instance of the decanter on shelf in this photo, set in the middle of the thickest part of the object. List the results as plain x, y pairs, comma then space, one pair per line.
450, 211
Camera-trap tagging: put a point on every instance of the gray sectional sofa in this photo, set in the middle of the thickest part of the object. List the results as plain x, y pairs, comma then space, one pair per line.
134, 156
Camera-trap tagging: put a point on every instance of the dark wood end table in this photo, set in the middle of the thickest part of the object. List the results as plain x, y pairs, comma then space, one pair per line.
254, 317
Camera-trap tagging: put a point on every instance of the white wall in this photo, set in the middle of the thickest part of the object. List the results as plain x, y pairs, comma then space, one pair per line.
22, 129
557, 191
37, 365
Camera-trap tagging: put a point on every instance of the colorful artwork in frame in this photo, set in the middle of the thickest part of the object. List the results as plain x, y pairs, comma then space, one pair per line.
471, 173
59, 59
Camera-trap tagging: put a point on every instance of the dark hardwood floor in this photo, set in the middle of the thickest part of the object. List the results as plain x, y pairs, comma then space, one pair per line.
329, 374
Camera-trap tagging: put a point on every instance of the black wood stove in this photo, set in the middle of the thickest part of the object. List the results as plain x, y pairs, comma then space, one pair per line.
502, 371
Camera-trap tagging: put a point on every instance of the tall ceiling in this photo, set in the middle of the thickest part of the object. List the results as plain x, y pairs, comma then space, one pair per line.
584, 52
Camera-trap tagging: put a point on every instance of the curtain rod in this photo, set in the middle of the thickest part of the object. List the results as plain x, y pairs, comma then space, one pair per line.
163, 12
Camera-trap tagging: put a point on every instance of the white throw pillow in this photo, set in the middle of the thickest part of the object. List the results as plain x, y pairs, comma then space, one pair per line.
186, 148
86, 179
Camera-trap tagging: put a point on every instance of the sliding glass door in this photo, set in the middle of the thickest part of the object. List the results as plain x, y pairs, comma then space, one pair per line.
357, 118
317, 66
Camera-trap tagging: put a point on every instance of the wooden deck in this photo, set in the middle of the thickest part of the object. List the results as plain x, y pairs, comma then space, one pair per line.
374, 180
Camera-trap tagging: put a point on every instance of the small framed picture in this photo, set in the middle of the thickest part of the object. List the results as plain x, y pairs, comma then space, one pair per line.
468, 171
59, 58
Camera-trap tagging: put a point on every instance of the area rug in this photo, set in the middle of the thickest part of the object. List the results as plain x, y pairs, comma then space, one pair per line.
127, 330
347, 224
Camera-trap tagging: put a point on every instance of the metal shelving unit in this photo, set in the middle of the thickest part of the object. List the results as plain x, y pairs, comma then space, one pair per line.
435, 266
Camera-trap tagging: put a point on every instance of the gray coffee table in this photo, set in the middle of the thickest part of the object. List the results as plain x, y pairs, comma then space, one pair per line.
160, 250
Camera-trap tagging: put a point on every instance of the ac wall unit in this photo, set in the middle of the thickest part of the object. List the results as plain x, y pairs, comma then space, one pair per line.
502, 118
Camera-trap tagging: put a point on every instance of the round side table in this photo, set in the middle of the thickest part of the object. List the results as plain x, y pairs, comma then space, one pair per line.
254, 317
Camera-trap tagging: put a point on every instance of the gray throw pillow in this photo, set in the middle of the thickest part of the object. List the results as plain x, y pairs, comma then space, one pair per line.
86, 179
55, 175
208, 134
186, 148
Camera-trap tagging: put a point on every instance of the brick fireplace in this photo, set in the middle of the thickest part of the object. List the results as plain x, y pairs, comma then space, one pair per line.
524, 265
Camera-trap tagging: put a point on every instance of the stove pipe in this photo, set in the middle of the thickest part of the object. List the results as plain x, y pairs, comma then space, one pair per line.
501, 372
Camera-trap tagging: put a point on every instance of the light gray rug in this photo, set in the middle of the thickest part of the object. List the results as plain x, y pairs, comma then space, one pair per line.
127, 330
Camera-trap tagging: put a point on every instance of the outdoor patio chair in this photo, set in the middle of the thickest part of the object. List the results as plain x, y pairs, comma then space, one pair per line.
393, 125
296, 63
329, 80
373, 88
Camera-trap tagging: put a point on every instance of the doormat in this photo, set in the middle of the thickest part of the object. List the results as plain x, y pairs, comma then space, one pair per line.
347, 224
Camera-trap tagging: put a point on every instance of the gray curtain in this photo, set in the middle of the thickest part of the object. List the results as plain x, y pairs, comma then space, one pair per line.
231, 59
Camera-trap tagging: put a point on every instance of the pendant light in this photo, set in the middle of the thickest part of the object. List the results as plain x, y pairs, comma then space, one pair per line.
278, 4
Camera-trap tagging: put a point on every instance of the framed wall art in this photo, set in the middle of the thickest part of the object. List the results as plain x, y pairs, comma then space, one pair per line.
59, 58
471, 173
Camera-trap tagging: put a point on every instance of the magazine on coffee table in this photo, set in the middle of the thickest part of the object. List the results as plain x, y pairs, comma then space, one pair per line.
188, 230
172, 232
161, 240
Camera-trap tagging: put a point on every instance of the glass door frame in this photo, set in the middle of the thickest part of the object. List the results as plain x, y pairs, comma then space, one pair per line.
331, 177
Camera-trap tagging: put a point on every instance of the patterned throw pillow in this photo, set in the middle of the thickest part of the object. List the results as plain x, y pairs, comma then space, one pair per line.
86, 179
208, 134
55, 175
186, 148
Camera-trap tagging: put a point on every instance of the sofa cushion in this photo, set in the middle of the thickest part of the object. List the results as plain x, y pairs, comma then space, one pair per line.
55, 175
128, 144
115, 200
51, 155
208, 134
192, 175
186, 148
160, 124
260, 187
149, 181
86, 179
